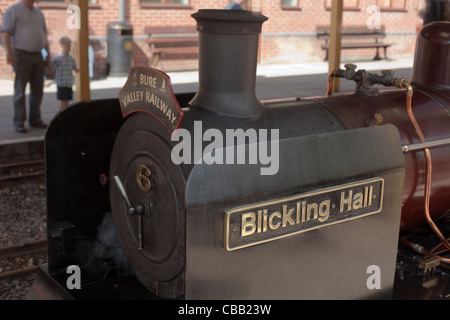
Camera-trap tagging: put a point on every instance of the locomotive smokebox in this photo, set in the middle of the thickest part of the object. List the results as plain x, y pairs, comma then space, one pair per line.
228, 47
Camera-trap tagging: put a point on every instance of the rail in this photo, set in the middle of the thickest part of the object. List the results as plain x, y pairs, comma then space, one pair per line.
22, 170
28, 248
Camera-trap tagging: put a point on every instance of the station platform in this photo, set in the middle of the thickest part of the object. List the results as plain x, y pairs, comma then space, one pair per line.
274, 81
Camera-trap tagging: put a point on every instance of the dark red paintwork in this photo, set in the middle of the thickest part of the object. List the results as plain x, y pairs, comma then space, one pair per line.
431, 107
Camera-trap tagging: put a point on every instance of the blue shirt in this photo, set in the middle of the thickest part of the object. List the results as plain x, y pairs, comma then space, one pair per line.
26, 27
64, 65
233, 6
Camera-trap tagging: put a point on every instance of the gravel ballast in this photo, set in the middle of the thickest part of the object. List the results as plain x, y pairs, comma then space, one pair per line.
22, 219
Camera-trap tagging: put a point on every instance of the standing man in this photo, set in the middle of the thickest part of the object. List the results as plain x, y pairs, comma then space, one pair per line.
24, 35
235, 5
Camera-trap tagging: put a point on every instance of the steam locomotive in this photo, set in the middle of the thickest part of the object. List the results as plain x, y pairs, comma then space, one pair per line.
157, 195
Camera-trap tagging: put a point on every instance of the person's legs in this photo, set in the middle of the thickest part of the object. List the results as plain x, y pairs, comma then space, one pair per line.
36, 91
63, 104
64, 95
22, 69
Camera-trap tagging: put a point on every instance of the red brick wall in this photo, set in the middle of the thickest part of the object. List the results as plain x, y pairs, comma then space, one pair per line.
299, 43
288, 35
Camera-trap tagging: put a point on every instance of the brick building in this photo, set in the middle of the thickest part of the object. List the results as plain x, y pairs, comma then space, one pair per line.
289, 36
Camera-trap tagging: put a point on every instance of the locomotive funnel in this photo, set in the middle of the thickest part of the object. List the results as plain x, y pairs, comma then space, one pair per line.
432, 59
228, 47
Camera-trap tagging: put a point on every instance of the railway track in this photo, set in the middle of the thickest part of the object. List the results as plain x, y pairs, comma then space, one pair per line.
22, 170
22, 250
22, 223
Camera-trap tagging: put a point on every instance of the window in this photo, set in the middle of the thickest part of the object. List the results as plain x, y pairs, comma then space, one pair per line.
348, 5
166, 1
89, 1
394, 5
290, 4
61, 4
181, 4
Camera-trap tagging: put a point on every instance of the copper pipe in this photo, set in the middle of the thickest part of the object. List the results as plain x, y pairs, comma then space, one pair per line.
331, 76
409, 93
439, 248
418, 248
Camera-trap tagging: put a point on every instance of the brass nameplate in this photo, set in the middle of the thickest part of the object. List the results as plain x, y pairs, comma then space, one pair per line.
270, 220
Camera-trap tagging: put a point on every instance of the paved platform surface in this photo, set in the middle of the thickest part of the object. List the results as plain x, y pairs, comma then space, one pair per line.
274, 81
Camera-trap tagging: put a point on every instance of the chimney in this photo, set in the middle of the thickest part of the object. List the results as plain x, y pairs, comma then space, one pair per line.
432, 59
228, 56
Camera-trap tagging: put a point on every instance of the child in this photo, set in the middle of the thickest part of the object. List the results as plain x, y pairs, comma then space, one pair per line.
64, 65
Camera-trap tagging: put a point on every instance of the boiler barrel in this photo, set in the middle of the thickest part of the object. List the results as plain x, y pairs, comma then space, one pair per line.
433, 117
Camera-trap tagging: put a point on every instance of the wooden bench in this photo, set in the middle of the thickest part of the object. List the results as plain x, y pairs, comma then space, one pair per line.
355, 37
172, 43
